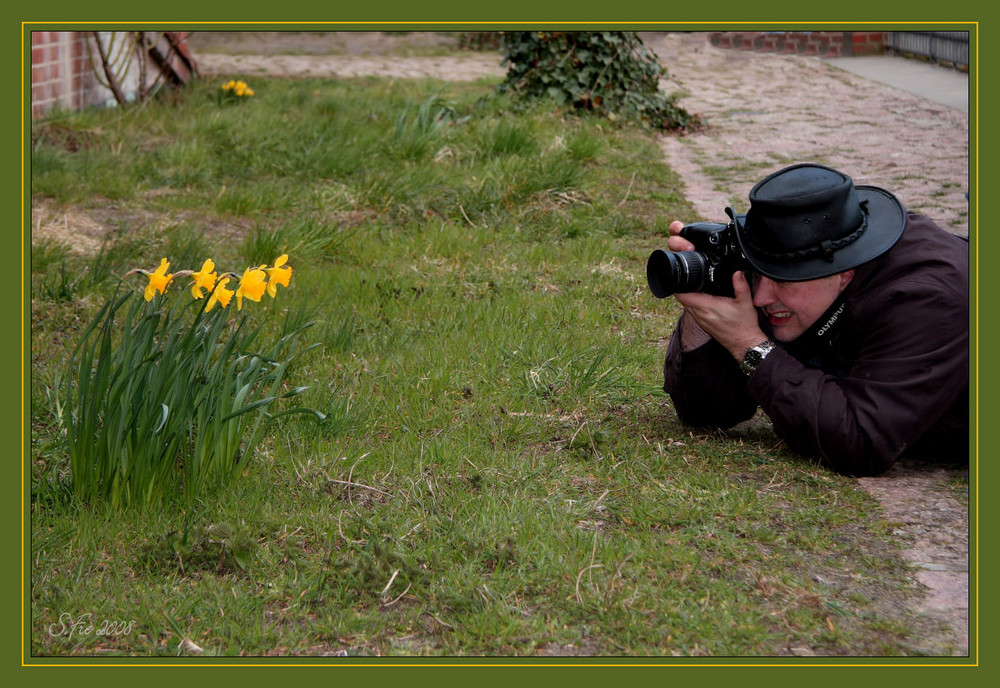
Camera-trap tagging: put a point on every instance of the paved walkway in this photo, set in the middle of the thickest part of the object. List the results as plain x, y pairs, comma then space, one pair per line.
766, 111
941, 84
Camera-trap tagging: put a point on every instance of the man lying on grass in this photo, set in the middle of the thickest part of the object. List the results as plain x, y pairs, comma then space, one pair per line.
848, 324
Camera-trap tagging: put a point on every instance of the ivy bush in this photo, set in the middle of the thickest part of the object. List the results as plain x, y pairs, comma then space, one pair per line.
606, 72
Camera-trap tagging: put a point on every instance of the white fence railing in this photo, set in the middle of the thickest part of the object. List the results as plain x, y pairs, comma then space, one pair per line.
938, 46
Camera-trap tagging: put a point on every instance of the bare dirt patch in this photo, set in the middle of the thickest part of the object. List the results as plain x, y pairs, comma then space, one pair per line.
340, 54
86, 231
75, 229
356, 43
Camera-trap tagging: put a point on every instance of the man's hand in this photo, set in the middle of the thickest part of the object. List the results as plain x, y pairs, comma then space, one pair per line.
730, 321
675, 242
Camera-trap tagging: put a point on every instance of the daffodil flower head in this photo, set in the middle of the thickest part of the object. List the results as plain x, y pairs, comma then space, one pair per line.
252, 286
158, 280
204, 279
278, 275
219, 295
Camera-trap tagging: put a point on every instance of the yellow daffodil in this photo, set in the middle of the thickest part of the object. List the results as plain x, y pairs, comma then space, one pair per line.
252, 286
278, 275
237, 89
158, 280
204, 279
219, 295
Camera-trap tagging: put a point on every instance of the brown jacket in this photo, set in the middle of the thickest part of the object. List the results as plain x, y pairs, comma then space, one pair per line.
888, 375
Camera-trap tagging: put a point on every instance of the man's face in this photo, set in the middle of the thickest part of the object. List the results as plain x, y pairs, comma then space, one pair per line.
792, 307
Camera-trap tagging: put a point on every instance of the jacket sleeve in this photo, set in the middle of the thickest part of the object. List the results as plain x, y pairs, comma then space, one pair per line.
706, 385
911, 366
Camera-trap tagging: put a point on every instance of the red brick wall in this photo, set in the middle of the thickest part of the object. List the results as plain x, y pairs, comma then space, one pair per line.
62, 74
823, 43
868, 42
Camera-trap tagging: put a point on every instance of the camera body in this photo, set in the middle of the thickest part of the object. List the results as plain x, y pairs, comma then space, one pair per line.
709, 268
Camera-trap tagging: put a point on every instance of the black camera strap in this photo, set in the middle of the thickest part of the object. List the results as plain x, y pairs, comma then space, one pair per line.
827, 325
817, 346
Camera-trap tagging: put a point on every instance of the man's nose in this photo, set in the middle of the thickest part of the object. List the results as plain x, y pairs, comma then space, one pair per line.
763, 291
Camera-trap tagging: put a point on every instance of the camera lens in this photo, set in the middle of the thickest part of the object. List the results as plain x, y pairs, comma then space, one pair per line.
675, 273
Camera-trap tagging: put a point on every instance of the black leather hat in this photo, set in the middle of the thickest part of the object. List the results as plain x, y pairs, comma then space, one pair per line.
809, 221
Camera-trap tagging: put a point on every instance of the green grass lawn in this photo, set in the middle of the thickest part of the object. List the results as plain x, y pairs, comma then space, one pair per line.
499, 472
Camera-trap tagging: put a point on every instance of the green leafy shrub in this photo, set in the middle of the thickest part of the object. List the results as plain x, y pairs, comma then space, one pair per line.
607, 72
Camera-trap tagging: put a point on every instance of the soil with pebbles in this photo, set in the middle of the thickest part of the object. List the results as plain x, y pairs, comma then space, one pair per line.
763, 111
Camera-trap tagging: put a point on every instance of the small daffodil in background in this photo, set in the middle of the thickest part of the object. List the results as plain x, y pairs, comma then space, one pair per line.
279, 274
237, 90
204, 279
158, 280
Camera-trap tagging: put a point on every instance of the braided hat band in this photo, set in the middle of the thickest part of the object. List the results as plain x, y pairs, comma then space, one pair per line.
825, 249
809, 221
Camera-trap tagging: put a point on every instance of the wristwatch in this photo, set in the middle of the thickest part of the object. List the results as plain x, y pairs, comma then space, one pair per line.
754, 355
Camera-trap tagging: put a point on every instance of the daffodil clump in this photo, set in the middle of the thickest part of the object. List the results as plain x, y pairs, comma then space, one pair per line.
236, 90
168, 395
252, 284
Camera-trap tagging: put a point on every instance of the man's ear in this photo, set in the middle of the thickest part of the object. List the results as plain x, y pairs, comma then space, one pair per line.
845, 278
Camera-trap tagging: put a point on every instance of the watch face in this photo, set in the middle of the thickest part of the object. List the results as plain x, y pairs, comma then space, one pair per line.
753, 357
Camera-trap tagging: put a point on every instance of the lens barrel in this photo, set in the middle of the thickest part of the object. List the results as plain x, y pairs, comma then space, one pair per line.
675, 273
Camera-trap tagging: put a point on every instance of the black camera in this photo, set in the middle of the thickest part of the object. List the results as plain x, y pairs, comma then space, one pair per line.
709, 268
